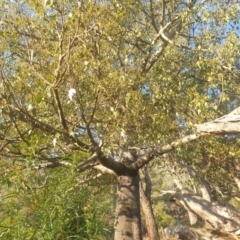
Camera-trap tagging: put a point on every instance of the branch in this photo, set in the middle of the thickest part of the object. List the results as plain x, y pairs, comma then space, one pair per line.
60, 110
107, 164
111, 164
104, 170
223, 125
18, 131
84, 117
224, 218
35, 123
90, 162
27, 118
227, 124
58, 74
52, 165
237, 180
150, 58
158, 151
86, 180
150, 15
90, 135
192, 217
64, 56
163, 12
203, 184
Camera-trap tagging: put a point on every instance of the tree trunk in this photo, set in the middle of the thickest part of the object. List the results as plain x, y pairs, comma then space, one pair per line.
146, 206
128, 219
151, 226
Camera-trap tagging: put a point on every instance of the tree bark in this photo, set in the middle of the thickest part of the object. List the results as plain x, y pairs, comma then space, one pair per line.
223, 218
227, 124
185, 233
151, 226
146, 206
128, 219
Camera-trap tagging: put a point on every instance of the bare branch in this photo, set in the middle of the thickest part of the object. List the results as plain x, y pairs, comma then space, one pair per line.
60, 110
151, 15
224, 125
151, 57
86, 121
237, 180
82, 181
35, 123
64, 57
109, 162
16, 126
224, 218
204, 185
90, 162
158, 151
52, 165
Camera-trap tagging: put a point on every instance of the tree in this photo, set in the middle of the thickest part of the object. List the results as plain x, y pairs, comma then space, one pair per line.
110, 83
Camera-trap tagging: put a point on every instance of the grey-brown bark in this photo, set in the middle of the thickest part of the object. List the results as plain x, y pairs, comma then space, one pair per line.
151, 226
146, 206
128, 220
128, 215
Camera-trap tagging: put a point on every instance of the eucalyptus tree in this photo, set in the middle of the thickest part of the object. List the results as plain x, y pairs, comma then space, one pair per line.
110, 83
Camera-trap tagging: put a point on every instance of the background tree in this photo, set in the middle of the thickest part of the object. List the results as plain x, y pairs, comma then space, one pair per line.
105, 85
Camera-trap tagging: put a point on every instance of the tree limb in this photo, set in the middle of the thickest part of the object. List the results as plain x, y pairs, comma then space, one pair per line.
52, 165
60, 110
227, 124
35, 123
158, 151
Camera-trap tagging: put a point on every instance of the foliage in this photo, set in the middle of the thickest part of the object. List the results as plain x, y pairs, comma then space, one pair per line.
58, 208
144, 72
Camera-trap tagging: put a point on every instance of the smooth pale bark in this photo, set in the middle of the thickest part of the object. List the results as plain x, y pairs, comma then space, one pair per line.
224, 218
128, 219
237, 180
185, 233
224, 125
204, 185
193, 219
